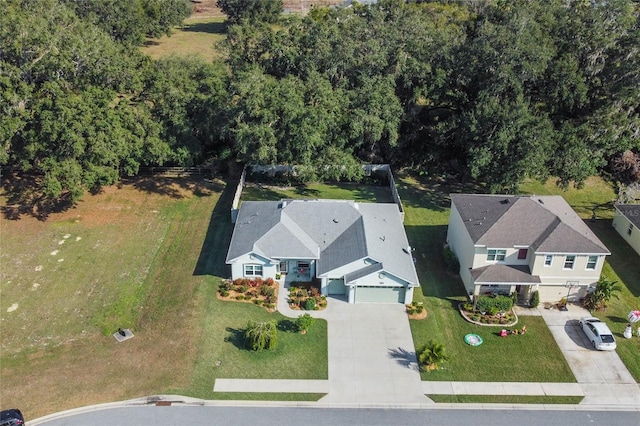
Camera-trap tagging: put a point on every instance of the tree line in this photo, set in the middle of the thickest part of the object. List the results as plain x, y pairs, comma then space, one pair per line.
490, 90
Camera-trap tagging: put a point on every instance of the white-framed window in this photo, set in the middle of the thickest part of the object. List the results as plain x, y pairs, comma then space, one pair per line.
282, 266
569, 261
495, 255
592, 261
252, 270
548, 259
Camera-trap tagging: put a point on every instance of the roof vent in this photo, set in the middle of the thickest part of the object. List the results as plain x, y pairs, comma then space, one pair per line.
335, 220
284, 204
505, 201
540, 201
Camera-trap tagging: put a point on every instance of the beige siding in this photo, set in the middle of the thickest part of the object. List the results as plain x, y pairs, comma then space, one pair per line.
622, 223
511, 257
462, 245
349, 267
556, 270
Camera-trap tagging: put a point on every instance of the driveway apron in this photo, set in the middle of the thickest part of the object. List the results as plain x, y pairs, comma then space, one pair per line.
601, 374
371, 355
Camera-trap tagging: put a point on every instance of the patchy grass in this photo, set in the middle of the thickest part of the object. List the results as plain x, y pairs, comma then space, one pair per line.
506, 399
597, 195
57, 352
197, 36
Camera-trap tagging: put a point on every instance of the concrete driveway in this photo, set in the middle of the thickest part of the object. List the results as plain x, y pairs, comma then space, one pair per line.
371, 355
601, 374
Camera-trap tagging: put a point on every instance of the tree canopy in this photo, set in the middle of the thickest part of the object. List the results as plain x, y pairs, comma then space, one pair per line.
490, 90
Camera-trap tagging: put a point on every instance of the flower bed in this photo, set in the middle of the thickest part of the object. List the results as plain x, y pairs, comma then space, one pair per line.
250, 290
307, 299
506, 319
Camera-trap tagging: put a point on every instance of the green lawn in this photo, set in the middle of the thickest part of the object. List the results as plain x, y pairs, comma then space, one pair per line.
197, 36
533, 357
506, 399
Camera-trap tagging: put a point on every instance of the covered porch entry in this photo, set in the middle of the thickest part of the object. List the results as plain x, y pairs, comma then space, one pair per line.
504, 280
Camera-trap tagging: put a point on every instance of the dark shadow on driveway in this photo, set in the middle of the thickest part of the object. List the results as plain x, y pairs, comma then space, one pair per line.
572, 328
404, 357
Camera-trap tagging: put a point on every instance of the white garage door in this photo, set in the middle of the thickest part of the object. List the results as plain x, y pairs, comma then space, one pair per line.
377, 294
336, 286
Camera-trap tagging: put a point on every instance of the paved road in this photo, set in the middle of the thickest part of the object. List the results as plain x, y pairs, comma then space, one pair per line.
282, 416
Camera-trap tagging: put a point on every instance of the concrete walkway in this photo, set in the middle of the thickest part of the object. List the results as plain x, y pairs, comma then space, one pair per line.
372, 361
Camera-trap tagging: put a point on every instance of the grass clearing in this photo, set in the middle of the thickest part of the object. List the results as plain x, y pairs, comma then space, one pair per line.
197, 36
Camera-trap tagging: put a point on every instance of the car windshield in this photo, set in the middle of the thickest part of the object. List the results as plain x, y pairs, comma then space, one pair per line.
607, 338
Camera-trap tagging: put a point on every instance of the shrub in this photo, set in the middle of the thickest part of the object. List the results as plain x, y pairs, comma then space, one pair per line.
514, 297
243, 288
494, 304
240, 297
261, 335
419, 309
269, 281
238, 282
265, 290
451, 260
224, 293
535, 299
468, 306
493, 310
304, 322
258, 302
503, 303
310, 304
270, 299
411, 310
432, 354
225, 285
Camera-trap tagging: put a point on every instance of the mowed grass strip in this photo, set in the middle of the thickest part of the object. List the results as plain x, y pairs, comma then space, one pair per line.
533, 357
196, 37
506, 399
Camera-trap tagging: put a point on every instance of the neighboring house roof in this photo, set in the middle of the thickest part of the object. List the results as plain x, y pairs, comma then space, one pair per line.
334, 232
511, 274
631, 212
546, 223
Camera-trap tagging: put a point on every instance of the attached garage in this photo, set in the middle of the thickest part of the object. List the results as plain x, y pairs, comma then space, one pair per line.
336, 286
378, 294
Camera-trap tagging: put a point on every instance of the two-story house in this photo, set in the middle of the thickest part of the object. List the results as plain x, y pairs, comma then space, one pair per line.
508, 243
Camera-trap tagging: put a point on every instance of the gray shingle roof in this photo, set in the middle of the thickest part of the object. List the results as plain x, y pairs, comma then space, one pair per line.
334, 232
507, 274
546, 223
631, 212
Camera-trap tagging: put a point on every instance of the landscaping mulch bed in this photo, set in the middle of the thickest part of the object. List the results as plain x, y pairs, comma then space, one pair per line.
256, 291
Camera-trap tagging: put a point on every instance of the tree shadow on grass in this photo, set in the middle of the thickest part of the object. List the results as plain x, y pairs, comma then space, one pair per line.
25, 198
176, 187
287, 326
433, 192
206, 27
304, 191
235, 337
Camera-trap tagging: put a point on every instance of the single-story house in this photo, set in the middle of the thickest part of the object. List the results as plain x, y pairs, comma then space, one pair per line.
627, 223
508, 243
355, 250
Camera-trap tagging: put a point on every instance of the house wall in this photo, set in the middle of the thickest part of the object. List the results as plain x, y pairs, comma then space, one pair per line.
554, 278
462, 245
511, 257
268, 267
621, 223
382, 279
